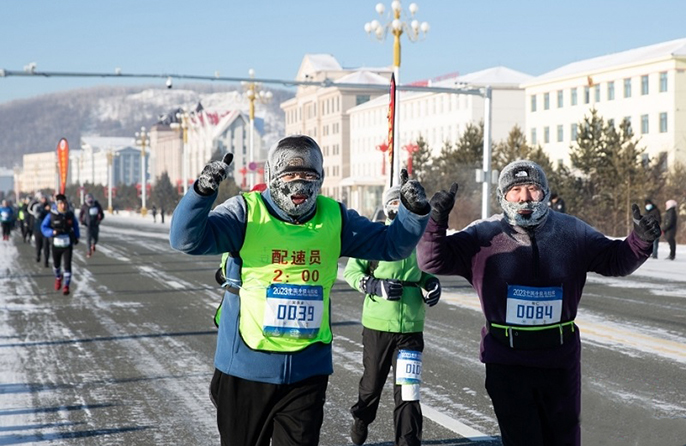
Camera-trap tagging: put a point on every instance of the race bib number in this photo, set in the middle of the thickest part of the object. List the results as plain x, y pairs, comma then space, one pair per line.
61, 241
533, 305
5, 216
93, 211
408, 367
293, 311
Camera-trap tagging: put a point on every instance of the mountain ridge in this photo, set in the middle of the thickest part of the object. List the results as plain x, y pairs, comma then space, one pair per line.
36, 124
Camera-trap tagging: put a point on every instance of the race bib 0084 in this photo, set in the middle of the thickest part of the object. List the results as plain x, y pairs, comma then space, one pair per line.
533, 305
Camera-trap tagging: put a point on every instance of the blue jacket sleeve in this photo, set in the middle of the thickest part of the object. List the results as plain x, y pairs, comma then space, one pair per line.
364, 239
45, 227
196, 229
77, 232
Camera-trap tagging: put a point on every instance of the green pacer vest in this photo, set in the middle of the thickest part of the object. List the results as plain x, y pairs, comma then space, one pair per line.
288, 271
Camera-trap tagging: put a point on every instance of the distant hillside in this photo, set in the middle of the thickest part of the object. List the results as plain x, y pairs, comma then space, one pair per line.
37, 124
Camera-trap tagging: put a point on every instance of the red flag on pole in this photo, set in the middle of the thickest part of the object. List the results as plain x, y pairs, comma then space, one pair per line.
63, 162
391, 120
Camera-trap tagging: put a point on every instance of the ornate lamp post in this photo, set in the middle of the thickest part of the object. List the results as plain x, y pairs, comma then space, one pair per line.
143, 140
110, 158
254, 93
397, 27
182, 125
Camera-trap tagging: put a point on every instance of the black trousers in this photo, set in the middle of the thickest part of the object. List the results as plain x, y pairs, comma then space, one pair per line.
380, 351
671, 240
58, 254
6, 228
93, 232
42, 244
536, 406
250, 413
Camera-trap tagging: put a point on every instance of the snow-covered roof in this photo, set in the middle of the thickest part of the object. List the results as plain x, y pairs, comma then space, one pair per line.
362, 77
495, 77
107, 142
659, 51
323, 62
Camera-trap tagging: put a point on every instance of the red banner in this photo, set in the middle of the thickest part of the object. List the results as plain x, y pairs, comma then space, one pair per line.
391, 122
63, 162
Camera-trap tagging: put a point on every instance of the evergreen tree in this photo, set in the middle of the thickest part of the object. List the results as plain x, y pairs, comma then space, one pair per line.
165, 195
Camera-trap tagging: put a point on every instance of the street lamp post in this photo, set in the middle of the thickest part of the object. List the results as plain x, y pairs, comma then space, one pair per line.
254, 93
110, 156
183, 118
143, 140
414, 30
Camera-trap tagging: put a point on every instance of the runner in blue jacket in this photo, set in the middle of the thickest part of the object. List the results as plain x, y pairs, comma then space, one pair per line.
271, 372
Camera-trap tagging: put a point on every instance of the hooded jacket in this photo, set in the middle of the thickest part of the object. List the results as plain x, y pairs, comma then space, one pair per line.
492, 254
197, 230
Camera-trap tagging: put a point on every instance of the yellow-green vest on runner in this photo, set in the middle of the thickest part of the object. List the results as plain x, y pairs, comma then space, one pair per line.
288, 271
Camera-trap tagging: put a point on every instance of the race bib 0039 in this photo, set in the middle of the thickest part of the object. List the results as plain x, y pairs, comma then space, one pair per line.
293, 311
533, 305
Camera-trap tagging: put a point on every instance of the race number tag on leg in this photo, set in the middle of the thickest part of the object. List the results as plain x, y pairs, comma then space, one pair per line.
408, 374
533, 305
293, 311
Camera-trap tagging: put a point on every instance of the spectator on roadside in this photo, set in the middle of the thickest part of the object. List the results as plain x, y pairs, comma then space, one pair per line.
653, 210
154, 214
529, 266
161, 214
670, 227
272, 369
556, 203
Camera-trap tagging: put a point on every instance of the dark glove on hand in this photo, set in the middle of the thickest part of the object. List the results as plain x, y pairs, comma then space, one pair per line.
389, 289
646, 226
412, 195
433, 291
212, 174
442, 203
76, 241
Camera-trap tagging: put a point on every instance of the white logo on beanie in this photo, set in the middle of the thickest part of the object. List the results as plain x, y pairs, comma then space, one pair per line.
522, 173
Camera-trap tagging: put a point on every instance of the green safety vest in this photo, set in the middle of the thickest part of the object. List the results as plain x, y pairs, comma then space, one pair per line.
287, 274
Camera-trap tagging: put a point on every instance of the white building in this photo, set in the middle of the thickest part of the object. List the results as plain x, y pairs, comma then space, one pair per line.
436, 117
646, 85
321, 112
227, 131
90, 164
38, 172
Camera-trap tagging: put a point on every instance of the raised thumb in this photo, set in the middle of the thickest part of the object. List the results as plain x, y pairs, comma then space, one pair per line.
228, 158
636, 212
453, 188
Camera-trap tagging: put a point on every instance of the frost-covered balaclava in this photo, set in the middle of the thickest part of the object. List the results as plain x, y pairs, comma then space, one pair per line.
291, 154
89, 199
523, 172
392, 194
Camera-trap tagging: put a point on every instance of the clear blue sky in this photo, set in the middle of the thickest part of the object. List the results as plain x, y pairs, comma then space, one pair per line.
272, 36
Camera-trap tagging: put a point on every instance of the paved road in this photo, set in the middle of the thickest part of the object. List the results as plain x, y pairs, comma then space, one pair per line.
127, 357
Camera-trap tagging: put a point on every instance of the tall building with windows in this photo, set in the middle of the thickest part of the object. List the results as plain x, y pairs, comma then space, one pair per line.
645, 85
321, 112
437, 118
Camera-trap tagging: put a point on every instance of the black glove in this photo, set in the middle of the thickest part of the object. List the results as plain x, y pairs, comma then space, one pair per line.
442, 203
433, 291
212, 174
220, 277
412, 195
76, 241
389, 289
646, 226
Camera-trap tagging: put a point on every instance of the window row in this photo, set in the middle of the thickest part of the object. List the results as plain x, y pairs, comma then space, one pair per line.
593, 92
574, 129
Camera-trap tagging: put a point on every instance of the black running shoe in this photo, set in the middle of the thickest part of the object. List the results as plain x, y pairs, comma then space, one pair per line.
358, 432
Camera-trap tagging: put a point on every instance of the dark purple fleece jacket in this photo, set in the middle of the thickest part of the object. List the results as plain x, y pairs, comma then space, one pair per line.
492, 254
